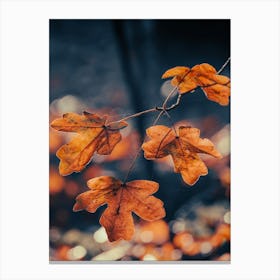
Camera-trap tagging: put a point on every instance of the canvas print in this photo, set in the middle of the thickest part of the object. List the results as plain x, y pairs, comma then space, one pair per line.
139, 127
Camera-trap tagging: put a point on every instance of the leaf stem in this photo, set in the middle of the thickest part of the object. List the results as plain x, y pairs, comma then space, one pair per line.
168, 97
158, 117
171, 122
136, 115
175, 104
140, 149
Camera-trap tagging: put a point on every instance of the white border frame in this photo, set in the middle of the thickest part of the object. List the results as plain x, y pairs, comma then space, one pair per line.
255, 138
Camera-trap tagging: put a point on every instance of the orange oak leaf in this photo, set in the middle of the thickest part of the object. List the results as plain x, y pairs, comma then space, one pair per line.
183, 148
216, 87
94, 135
122, 199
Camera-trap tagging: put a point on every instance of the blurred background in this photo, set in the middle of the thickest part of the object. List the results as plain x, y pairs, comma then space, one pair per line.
114, 67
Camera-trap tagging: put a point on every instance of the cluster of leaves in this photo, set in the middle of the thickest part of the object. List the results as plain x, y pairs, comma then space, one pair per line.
96, 135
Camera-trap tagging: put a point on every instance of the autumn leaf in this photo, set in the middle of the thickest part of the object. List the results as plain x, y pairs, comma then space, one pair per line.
122, 199
216, 87
183, 149
94, 135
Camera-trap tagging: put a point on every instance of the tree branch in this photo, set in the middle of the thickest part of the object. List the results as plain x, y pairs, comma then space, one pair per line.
163, 107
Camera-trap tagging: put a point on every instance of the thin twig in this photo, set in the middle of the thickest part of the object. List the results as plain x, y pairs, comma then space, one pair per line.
171, 122
158, 117
168, 96
132, 164
224, 66
139, 150
136, 115
175, 104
